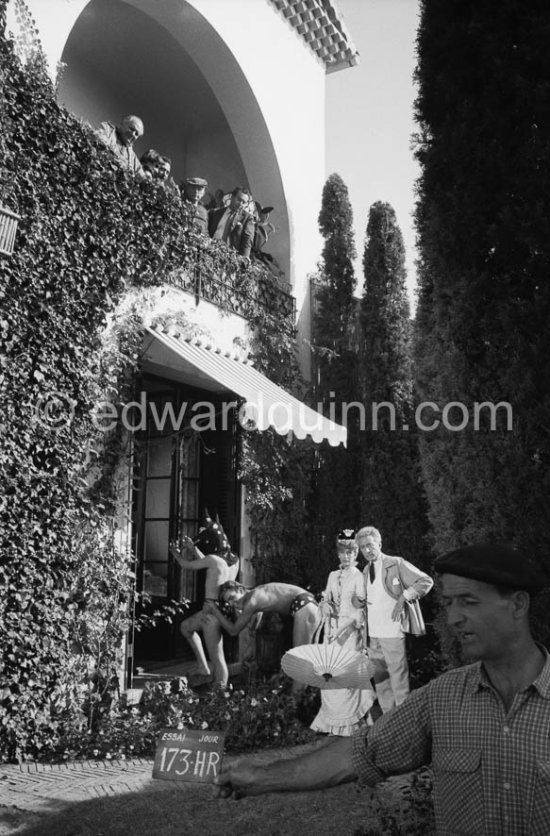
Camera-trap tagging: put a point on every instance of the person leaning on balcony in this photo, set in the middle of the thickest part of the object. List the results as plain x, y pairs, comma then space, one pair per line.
151, 164
157, 168
234, 224
194, 189
121, 138
483, 727
392, 589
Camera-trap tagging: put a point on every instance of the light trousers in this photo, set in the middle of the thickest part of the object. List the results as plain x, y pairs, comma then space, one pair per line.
392, 653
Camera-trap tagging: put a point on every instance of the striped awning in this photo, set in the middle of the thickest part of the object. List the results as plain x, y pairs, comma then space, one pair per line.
265, 403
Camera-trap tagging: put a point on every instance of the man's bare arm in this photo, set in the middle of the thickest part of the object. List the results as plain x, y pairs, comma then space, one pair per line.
325, 766
199, 562
233, 628
187, 543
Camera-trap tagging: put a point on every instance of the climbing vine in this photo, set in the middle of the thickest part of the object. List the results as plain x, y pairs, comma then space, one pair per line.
95, 250
276, 470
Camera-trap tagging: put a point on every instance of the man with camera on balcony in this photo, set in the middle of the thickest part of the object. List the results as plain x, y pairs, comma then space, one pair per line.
233, 224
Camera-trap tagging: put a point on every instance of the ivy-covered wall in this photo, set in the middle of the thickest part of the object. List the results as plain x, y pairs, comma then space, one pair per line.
88, 233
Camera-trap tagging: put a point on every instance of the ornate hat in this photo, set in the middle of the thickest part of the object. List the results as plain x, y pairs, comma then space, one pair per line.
346, 537
196, 181
499, 564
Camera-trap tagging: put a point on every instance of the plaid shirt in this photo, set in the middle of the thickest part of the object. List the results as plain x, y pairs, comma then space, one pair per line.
491, 769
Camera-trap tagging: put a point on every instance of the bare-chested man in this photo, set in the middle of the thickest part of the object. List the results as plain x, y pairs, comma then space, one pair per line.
210, 551
283, 598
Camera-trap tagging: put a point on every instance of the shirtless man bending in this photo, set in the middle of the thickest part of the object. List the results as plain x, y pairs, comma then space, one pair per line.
210, 551
283, 598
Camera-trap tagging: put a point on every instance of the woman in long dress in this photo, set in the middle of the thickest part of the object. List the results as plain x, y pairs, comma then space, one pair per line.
342, 609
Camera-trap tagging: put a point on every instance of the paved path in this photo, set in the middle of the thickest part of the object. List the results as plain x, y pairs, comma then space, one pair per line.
38, 786
31, 792
53, 786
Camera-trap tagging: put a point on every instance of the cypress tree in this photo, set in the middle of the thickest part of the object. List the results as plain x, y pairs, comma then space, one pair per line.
483, 219
335, 497
391, 492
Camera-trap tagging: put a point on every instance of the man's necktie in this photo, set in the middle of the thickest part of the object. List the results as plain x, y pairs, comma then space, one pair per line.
228, 225
371, 571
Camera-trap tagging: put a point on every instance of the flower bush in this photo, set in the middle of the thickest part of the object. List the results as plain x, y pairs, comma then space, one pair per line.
262, 717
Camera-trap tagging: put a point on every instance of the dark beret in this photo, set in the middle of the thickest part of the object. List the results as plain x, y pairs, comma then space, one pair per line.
495, 563
197, 181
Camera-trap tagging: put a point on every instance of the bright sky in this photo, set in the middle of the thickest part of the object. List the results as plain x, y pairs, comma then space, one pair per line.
370, 117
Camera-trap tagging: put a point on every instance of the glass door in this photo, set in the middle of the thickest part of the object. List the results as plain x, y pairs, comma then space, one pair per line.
180, 473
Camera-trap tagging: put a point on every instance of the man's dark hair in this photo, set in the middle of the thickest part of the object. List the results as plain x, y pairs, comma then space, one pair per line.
242, 189
231, 586
150, 156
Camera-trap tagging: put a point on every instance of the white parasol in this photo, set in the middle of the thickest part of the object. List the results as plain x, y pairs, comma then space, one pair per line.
330, 666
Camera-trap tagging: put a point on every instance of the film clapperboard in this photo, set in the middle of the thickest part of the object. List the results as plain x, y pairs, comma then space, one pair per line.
188, 755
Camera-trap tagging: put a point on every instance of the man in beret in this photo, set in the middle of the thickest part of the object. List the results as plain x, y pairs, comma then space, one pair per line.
193, 192
484, 727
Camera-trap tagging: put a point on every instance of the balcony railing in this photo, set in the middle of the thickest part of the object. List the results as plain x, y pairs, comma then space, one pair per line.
213, 272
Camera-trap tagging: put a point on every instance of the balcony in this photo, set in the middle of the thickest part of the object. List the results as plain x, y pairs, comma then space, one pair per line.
213, 272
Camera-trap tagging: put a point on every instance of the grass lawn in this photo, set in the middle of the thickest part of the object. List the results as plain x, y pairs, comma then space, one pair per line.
191, 809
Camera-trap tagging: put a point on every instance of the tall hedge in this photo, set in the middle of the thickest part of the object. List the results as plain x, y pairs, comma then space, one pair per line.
392, 497
483, 219
335, 500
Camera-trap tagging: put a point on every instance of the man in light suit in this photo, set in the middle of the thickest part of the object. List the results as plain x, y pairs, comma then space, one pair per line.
234, 224
392, 589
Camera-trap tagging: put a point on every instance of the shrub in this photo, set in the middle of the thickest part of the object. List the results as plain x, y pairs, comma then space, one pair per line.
403, 806
266, 716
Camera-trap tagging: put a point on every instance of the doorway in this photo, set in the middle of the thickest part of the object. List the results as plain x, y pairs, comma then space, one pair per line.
180, 476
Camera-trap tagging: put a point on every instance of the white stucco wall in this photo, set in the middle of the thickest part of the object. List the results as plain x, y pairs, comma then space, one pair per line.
228, 332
